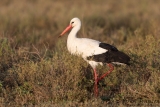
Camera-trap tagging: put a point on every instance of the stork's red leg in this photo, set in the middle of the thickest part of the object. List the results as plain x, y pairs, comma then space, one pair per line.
95, 83
111, 68
96, 79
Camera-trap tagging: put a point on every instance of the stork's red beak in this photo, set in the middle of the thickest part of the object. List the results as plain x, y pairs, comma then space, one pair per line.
67, 29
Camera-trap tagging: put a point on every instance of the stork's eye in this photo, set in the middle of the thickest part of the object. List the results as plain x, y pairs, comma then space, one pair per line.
72, 22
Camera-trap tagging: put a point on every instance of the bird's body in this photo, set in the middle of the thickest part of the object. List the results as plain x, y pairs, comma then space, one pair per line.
85, 47
92, 51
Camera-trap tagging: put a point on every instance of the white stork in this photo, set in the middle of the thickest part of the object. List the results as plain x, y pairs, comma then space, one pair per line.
94, 52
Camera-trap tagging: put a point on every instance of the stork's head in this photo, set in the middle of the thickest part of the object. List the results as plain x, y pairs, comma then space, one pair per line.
75, 22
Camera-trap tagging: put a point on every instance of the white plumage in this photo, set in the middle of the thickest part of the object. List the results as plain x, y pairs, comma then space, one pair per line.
92, 51
83, 46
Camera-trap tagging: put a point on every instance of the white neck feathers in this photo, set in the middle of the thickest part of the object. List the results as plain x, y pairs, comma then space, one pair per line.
75, 29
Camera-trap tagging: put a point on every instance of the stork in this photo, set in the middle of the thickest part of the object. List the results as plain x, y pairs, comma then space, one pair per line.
93, 52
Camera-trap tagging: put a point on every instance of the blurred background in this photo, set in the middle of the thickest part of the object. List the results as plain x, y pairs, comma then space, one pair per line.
39, 22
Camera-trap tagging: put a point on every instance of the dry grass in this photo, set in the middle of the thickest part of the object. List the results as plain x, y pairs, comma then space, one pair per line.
37, 70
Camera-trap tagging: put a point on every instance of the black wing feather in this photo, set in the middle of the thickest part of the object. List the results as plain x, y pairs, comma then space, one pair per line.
112, 55
108, 47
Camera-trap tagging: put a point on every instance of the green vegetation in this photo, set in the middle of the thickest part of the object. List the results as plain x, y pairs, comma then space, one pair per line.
36, 68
